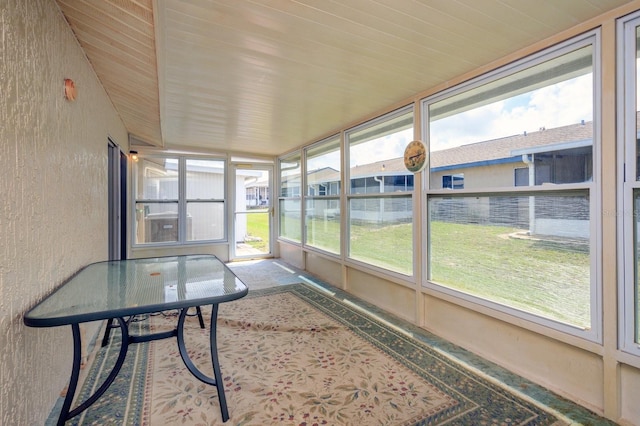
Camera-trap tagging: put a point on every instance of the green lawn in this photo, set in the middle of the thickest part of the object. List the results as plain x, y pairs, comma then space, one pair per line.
258, 229
549, 278
389, 247
543, 277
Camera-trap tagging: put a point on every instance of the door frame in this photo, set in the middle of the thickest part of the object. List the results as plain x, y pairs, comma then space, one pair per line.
235, 167
117, 201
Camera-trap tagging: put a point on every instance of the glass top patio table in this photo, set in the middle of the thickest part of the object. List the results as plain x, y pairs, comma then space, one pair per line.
114, 289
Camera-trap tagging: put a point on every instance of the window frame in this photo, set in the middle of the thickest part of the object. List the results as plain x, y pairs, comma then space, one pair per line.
181, 201
594, 332
292, 194
459, 177
327, 195
351, 195
627, 181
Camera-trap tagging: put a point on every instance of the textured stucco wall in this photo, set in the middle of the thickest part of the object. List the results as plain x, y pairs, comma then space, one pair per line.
53, 208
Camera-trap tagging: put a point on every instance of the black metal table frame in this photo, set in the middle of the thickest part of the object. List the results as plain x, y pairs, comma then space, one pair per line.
127, 339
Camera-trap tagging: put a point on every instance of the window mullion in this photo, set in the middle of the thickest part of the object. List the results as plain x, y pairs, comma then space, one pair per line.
182, 202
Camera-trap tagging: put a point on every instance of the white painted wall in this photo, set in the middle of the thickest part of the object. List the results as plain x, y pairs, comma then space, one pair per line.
53, 208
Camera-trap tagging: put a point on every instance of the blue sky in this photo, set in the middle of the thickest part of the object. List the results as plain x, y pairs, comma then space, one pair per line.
560, 104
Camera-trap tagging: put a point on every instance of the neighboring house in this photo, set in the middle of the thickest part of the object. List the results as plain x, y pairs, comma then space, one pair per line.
256, 188
548, 156
559, 155
157, 203
158, 221
252, 191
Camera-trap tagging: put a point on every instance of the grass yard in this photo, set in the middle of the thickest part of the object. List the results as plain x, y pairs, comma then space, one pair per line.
548, 278
389, 247
543, 277
258, 229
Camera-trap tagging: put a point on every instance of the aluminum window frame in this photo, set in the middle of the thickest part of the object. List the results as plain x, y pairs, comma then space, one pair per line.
594, 332
628, 133
351, 196
331, 143
181, 201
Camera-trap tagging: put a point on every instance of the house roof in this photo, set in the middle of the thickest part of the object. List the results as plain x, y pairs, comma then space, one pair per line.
493, 151
507, 147
325, 174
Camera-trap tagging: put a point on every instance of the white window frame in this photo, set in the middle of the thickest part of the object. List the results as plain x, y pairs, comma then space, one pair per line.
181, 203
627, 182
594, 333
350, 195
295, 196
327, 196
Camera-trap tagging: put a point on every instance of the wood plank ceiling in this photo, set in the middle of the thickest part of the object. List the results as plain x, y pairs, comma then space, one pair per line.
266, 76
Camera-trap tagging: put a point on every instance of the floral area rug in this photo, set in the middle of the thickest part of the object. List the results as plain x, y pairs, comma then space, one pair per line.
293, 355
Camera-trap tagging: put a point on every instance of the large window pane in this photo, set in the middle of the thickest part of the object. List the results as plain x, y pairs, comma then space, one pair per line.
381, 232
290, 178
323, 168
527, 252
157, 179
539, 119
323, 224
376, 151
381, 226
205, 179
156, 222
290, 197
290, 223
205, 221
527, 127
205, 200
322, 205
628, 191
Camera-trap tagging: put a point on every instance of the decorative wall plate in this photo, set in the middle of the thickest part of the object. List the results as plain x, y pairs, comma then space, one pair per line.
415, 156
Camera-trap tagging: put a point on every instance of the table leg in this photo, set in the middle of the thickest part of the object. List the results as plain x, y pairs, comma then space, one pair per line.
75, 373
199, 313
107, 332
217, 379
66, 413
217, 373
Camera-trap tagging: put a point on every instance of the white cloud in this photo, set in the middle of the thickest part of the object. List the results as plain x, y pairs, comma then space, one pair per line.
384, 148
557, 105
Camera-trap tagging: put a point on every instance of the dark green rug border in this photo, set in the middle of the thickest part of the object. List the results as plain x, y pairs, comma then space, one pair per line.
127, 388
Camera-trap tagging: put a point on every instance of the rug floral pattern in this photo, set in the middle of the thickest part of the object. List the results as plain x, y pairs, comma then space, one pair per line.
293, 355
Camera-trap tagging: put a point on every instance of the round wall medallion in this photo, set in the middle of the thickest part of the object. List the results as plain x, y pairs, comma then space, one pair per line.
415, 156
